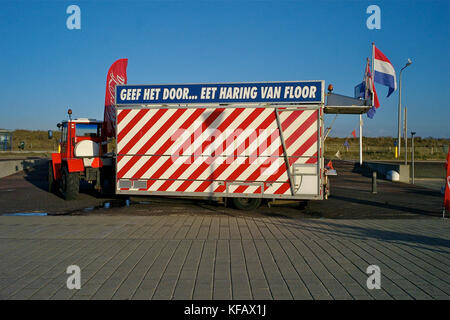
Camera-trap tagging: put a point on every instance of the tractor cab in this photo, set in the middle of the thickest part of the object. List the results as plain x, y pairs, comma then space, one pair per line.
81, 156
81, 138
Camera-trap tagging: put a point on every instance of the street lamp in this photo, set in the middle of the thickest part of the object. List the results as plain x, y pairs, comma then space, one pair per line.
400, 105
405, 134
412, 154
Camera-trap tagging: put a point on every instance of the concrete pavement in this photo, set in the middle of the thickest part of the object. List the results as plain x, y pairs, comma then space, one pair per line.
351, 198
222, 257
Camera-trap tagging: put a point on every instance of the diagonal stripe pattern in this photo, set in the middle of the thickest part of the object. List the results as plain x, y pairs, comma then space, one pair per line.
193, 149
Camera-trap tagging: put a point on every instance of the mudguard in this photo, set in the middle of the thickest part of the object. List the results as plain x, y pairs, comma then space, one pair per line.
75, 165
97, 163
56, 164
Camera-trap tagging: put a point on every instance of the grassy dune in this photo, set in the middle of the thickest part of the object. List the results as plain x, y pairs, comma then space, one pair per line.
382, 148
35, 140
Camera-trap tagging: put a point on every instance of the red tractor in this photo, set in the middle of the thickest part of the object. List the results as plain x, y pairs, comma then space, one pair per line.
82, 155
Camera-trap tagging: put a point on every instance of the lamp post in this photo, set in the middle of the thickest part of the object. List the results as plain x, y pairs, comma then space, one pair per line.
400, 105
412, 154
405, 134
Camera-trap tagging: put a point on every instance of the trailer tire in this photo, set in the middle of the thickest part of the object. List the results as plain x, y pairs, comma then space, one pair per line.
107, 181
70, 184
304, 205
246, 203
52, 183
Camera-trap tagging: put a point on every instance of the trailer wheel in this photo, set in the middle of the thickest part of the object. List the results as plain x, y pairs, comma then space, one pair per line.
246, 203
52, 183
70, 184
303, 205
107, 181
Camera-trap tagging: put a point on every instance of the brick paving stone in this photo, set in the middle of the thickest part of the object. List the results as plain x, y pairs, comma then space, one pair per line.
205, 276
204, 228
240, 284
222, 257
184, 289
277, 283
166, 287
194, 228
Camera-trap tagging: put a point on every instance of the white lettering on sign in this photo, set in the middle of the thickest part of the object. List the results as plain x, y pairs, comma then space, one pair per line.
305, 92
130, 94
178, 93
242, 93
208, 93
270, 92
212, 93
123, 94
312, 92
298, 92
151, 94
185, 93
136, 94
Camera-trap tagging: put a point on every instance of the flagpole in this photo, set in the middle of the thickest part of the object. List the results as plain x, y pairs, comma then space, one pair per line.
360, 115
372, 76
372, 104
360, 139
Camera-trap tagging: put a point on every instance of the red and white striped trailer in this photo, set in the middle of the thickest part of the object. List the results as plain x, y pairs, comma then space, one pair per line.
244, 141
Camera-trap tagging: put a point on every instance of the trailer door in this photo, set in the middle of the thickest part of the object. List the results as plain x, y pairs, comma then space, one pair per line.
300, 135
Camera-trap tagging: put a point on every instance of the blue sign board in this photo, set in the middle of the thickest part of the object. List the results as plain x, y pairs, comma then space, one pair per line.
248, 92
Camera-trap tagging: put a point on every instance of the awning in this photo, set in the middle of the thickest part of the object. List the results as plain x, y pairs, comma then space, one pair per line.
340, 104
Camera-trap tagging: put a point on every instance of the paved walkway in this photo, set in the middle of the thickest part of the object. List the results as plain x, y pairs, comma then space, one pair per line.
429, 183
220, 257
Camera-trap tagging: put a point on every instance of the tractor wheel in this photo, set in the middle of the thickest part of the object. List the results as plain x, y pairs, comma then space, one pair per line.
70, 184
246, 203
52, 183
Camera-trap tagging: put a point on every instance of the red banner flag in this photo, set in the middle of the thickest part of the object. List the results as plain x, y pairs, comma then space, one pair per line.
354, 133
330, 165
447, 183
117, 74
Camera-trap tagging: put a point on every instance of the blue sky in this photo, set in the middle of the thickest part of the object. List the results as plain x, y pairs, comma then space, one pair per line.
45, 67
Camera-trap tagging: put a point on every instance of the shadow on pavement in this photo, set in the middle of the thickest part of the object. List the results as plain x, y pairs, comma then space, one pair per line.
426, 192
355, 232
38, 176
385, 205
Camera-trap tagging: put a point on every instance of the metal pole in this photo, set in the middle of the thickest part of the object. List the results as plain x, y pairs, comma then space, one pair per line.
374, 182
405, 134
329, 128
400, 105
286, 160
412, 155
399, 111
360, 139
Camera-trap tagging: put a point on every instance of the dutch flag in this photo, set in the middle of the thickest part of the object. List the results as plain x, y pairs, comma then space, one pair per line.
384, 72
